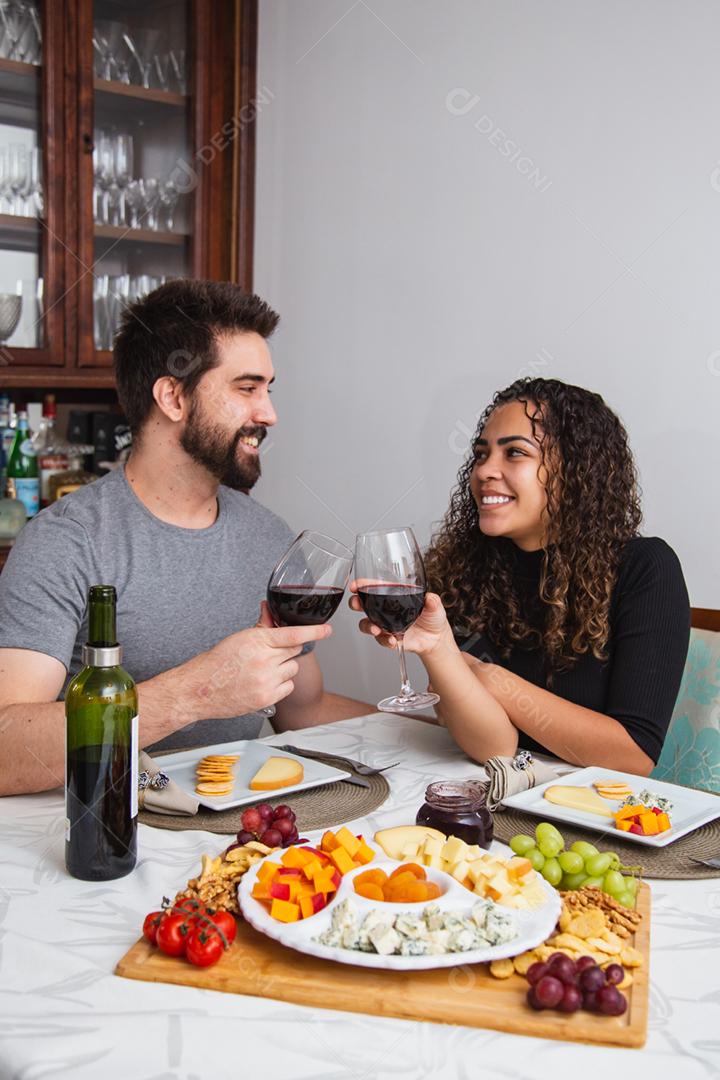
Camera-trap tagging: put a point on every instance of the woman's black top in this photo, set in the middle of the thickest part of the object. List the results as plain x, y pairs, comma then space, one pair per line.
649, 633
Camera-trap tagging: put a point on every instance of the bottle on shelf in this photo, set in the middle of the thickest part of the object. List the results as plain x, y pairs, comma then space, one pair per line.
22, 468
8, 423
76, 476
12, 516
101, 777
51, 449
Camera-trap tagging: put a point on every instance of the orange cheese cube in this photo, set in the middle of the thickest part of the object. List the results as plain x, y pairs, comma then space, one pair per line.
323, 882
296, 857
261, 890
663, 822
364, 853
285, 911
312, 868
329, 842
625, 824
307, 907
267, 871
342, 860
627, 812
348, 841
649, 824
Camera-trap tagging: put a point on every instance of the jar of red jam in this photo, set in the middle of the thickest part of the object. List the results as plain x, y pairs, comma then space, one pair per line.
458, 808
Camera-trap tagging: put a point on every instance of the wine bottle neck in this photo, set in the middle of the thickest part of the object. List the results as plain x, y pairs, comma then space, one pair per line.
102, 631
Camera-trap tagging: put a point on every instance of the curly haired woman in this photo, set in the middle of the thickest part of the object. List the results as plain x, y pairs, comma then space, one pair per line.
553, 626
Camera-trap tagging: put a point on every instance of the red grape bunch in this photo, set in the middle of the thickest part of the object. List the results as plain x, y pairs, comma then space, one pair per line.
272, 826
568, 985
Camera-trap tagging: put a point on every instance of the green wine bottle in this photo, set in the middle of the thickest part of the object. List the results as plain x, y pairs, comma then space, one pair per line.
101, 781
22, 468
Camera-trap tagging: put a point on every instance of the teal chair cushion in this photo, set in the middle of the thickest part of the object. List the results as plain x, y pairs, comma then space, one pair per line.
691, 752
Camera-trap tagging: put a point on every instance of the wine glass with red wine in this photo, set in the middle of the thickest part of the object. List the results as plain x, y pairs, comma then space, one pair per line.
308, 583
390, 573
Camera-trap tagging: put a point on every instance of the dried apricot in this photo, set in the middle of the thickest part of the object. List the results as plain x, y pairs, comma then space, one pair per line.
369, 890
409, 868
433, 890
374, 877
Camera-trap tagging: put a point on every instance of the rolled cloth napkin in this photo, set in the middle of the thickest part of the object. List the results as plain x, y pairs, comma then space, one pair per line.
510, 775
157, 792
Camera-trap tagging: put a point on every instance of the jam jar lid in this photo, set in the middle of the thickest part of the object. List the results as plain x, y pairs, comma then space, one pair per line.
457, 794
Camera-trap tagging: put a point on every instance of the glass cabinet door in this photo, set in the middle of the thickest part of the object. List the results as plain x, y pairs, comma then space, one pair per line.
138, 198
31, 211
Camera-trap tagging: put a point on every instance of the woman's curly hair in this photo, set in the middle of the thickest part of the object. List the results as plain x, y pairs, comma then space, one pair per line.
593, 509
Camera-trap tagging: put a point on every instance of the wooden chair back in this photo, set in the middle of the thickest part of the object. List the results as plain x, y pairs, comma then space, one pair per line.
703, 618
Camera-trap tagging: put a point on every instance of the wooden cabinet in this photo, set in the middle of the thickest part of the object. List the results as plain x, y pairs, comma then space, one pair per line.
126, 158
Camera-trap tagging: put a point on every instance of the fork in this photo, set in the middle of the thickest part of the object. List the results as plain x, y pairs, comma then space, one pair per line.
362, 770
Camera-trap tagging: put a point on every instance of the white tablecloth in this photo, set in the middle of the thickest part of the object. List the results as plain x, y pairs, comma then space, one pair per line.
64, 1014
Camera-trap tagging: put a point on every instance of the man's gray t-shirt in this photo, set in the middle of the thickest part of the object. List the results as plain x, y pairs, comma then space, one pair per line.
180, 591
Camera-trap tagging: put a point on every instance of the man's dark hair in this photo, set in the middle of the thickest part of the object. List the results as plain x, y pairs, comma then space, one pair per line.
174, 331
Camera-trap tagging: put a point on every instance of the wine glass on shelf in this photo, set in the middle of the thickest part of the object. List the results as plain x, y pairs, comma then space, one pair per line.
10, 311
169, 196
19, 157
143, 48
390, 576
122, 170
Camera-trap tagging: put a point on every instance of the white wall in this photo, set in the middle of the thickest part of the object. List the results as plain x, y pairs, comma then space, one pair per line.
420, 261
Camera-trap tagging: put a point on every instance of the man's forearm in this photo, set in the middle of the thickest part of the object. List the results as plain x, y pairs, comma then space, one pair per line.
33, 733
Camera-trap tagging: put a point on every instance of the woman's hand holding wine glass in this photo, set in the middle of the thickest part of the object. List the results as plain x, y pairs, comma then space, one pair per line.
430, 630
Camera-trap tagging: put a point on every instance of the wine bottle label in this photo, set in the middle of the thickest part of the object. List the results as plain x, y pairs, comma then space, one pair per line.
134, 751
27, 490
27, 449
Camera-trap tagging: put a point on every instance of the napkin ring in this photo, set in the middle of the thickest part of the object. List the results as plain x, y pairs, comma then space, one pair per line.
158, 782
522, 761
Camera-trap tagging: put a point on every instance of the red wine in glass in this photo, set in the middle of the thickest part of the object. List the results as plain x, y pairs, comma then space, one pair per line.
303, 605
393, 607
391, 586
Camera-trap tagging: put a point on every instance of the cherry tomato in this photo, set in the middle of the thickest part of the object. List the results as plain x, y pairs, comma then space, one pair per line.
172, 934
193, 911
226, 923
204, 948
150, 926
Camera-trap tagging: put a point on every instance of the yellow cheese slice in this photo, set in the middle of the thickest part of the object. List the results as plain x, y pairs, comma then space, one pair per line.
577, 798
392, 841
277, 772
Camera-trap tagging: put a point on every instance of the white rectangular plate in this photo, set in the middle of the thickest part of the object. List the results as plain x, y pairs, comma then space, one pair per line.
691, 808
181, 768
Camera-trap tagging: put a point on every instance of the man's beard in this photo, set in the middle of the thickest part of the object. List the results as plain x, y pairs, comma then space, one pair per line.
213, 448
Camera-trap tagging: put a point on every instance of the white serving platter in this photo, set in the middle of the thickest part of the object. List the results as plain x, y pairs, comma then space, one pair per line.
181, 768
691, 808
533, 926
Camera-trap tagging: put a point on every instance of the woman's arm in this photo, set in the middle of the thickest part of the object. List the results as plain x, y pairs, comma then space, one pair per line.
571, 732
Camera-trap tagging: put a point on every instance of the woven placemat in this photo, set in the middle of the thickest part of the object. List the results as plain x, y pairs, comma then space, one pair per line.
317, 808
668, 862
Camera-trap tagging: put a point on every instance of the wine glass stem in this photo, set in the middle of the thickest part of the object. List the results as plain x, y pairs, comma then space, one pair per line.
406, 689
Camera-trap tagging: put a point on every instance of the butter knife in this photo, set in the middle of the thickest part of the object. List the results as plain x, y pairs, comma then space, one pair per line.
358, 781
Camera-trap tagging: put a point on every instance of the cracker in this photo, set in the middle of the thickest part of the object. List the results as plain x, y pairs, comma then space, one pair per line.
631, 957
502, 969
524, 961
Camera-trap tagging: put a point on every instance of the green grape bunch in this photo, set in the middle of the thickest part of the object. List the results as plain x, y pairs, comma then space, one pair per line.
581, 864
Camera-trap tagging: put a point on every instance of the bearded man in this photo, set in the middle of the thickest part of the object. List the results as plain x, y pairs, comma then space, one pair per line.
188, 550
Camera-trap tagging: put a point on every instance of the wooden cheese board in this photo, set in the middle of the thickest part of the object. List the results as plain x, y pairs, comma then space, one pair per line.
466, 995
